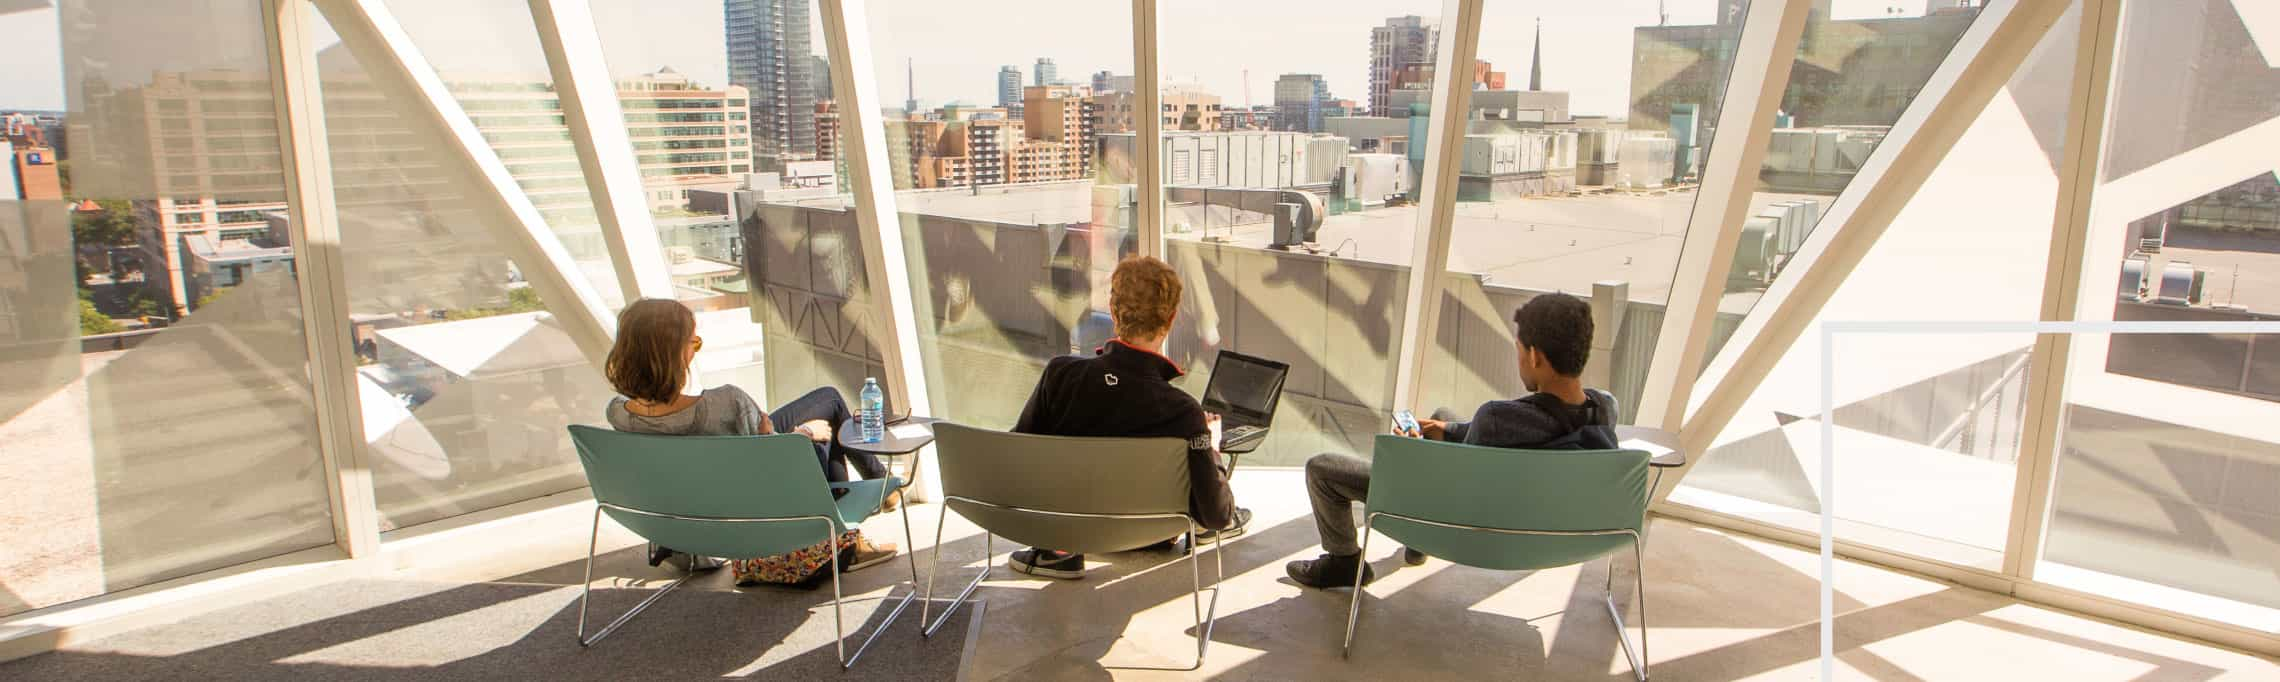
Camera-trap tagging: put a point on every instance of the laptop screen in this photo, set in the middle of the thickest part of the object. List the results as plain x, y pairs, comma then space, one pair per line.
1244, 385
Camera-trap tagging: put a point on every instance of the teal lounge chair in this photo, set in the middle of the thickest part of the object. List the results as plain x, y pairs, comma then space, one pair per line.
730, 497
1511, 510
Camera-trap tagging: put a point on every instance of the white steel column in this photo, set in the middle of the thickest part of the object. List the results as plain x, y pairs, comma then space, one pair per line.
2087, 105
314, 227
1754, 87
371, 32
1147, 133
1445, 149
1976, 69
605, 152
863, 138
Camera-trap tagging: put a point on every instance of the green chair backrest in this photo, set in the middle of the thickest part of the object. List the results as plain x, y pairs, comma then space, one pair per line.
1544, 490
1068, 475
711, 477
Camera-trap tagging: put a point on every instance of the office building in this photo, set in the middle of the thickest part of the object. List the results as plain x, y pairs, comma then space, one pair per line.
32, 171
1184, 107
827, 130
1299, 101
1505, 105
375, 441
1009, 86
819, 71
1046, 73
1060, 122
1257, 117
1419, 76
1394, 46
770, 55
1106, 82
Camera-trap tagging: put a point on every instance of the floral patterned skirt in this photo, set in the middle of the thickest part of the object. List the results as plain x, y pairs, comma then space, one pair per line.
793, 567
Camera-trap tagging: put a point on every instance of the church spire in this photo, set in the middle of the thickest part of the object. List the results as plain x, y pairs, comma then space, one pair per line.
1536, 61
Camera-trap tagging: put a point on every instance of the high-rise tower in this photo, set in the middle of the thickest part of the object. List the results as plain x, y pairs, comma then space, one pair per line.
770, 55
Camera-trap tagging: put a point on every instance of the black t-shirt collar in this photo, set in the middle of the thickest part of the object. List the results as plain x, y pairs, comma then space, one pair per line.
1118, 352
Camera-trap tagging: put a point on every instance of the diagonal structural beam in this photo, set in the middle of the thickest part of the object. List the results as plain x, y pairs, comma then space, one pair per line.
1768, 46
2088, 109
887, 264
1445, 145
605, 151
386, 52
1979, 66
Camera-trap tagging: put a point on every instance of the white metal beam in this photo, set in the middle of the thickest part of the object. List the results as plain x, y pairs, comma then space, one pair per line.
1147, 133
1445, 147
387, 53
886, 263
605, 151
1976, 69
2088, 103
1754, 88
314, 229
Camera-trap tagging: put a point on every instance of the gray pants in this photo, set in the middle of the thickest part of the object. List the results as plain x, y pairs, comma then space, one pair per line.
1334, 483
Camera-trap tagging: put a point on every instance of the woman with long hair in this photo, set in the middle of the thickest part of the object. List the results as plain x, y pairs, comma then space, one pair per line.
649, 366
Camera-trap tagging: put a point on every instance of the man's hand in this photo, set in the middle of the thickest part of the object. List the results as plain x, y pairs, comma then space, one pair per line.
1211, 423
1432, 429
816, 429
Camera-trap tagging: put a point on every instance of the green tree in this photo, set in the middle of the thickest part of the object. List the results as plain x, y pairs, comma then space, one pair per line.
146, 305
519, 300
524, 300
92, 321
112, 225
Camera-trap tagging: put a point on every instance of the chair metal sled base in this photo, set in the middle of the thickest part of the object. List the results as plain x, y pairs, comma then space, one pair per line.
1622, 633
839, 617
1205, 616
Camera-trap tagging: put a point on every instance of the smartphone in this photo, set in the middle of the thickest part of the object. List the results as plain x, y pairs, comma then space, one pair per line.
1406, 421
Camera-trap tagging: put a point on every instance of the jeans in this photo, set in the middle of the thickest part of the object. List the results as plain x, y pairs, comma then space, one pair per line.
825, 404
1334, 483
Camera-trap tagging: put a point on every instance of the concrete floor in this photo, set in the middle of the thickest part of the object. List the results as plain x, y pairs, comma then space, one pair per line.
1722, 606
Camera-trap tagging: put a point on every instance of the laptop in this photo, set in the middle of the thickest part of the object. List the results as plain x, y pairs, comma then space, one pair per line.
1243, 392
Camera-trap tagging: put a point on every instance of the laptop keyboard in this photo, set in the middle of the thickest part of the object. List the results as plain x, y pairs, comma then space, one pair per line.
1239, 433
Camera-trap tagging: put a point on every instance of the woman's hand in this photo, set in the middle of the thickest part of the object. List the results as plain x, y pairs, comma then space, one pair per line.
816, 429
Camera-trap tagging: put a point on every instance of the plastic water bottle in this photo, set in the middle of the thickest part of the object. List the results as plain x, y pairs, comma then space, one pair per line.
874, 411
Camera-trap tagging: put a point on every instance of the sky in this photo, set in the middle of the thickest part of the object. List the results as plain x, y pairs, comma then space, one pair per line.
955, 50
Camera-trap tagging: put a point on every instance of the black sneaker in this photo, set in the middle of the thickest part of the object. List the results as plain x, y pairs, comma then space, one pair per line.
1048, 563
1242, 520
659, 553
1410, 555
1330, 571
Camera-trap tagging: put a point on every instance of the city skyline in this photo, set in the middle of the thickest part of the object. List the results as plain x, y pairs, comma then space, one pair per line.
1586, 47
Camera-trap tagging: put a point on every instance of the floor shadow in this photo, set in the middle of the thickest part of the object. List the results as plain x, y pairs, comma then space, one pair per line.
380, 629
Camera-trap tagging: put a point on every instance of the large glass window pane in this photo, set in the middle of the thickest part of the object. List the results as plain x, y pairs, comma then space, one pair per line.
465, 379
1859, 65
2168, 461
1919, 417
1010, 213
1292, 213
1573, 181
488, 54
155, 407
712, 94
